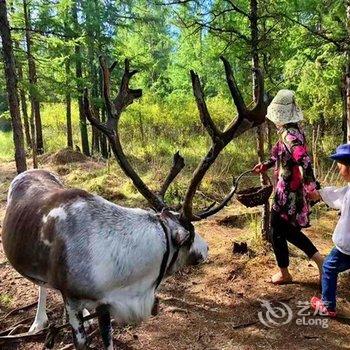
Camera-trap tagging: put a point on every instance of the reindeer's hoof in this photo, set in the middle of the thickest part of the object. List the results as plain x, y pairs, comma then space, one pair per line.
89, 323
38, 325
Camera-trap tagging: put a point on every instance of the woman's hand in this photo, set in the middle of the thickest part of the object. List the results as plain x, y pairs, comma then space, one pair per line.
260, 168
314, 196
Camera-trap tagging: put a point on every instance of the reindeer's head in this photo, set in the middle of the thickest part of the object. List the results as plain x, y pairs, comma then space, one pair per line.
191, 247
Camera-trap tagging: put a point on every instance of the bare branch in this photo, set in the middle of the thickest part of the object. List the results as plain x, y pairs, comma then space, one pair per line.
176, 2
338, 43
42, 32
237, 9
230, 30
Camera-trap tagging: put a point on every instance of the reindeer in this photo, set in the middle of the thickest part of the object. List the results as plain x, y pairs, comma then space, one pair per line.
106, 257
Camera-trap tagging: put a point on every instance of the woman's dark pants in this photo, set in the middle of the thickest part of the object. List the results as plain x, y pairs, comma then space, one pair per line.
281, 232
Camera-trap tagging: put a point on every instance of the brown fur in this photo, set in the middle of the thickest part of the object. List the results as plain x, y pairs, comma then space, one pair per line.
32, 246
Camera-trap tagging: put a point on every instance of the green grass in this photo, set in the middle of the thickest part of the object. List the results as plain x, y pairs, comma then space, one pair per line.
5, 300
148, 129
54, 125
6, 146
151, 131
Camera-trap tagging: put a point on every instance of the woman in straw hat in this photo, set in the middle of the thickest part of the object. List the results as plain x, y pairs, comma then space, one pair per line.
295, 178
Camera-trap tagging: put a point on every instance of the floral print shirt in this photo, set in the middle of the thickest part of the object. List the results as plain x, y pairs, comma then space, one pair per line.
294, 176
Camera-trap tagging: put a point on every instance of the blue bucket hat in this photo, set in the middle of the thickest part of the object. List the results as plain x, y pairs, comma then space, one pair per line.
342, 154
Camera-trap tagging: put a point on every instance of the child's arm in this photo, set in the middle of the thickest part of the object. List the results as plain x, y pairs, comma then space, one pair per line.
333, 196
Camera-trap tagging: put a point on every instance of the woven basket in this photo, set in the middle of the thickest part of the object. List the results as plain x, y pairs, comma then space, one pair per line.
254, 196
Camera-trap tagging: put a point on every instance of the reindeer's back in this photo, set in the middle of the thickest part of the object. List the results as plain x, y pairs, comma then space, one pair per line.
30, 242
77, 242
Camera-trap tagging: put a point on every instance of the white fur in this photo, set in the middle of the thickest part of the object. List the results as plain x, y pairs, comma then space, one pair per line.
114, 254
78, 205
17, 179
57, 213
200, 246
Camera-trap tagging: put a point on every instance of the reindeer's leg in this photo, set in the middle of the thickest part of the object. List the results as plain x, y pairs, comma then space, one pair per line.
104, 322
41, 319
75, 318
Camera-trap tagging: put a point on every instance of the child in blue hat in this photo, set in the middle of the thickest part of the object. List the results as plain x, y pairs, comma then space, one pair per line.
338, 259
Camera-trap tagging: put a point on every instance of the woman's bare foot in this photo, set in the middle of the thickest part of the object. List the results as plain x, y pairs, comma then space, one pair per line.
282, 277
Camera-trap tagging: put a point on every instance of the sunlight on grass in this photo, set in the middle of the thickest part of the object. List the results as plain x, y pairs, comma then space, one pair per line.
6, 146
54, 125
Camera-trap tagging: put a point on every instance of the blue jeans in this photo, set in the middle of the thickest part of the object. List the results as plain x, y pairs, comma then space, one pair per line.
334, 263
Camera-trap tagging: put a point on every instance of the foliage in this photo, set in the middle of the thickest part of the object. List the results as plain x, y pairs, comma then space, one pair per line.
301, 46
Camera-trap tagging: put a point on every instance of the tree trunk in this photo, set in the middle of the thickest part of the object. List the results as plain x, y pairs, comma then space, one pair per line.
95, 147
33, 130
269, 134
344, 104
11, 85
33, 80
260, 130
68, 108
316, 131
23, 101
95, 135
103, 140
92, 31
104, 148
79, 76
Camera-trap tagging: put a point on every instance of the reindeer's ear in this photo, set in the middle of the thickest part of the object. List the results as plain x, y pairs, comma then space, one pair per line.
180, 236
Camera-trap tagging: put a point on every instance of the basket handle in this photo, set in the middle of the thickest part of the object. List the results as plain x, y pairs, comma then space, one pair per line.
236, 181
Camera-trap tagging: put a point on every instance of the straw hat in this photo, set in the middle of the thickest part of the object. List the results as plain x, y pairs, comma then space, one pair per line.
283, 109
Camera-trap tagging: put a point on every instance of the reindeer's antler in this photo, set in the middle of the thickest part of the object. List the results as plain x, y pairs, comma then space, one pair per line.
246, 119
125, 97
178, 165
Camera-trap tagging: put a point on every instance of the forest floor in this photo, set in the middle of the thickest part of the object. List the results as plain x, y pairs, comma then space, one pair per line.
212, 306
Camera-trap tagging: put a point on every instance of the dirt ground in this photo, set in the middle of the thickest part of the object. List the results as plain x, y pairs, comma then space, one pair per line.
212, 306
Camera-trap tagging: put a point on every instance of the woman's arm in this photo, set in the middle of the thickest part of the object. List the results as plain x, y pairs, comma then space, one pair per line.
269, 163
262, 167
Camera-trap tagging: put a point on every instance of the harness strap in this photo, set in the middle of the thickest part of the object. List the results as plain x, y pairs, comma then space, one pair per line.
174, 258
163, 265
